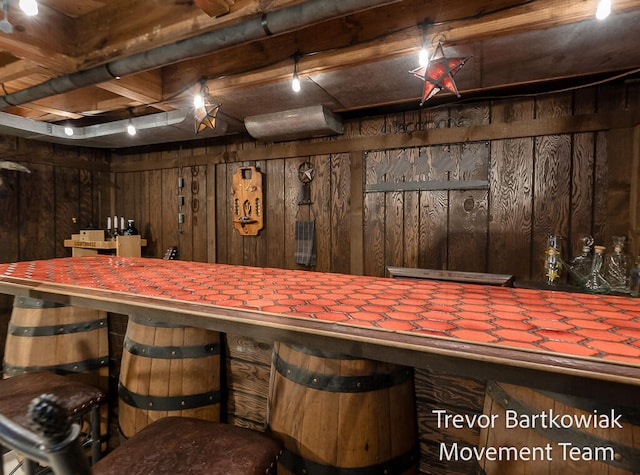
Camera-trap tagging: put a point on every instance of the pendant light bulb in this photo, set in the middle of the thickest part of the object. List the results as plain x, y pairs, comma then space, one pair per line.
423, 57
603, 10
131, 129
198, 101
68, 131
295, 82
29, 7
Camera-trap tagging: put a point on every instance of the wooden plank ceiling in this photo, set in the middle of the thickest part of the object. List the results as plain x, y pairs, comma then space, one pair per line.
352, 63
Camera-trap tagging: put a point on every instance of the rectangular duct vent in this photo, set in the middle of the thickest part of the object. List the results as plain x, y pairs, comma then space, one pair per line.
306, 122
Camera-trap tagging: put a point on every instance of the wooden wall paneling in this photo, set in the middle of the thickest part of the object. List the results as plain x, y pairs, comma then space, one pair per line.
196, 206
468, 225
211, 213
248, 369
434, 208
153, 229
619, 146
36, 211
633, 101
274, 229
600, 188
634, 220
552, 186
394, 229
582, 169
374, 234
339, 249
223, 213
169, 204
436, 391
321, 211
143, 211
511, 194
356, 228
9, 218
373, 217
88, 210
411, 232
292, 211
66, 207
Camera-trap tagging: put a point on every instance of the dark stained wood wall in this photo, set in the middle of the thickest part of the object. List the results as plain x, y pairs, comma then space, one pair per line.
475, 186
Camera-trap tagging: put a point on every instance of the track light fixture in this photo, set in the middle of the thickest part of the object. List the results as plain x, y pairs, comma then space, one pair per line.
295, 81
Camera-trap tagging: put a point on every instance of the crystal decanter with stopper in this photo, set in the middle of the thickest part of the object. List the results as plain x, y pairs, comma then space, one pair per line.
617, 266
596, 283
580, 266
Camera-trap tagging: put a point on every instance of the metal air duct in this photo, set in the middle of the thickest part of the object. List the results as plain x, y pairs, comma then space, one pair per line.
273, 23
306, 122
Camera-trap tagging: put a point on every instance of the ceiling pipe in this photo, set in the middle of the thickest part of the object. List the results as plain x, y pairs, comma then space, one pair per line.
272, 23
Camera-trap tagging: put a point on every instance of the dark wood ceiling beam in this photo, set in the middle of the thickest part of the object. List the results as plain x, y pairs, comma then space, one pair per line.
361, 38
105, 35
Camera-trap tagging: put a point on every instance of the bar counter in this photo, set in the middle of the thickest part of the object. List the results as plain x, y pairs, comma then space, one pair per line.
469, 329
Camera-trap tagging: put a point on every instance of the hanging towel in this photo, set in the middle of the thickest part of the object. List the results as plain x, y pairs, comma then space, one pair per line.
305, 243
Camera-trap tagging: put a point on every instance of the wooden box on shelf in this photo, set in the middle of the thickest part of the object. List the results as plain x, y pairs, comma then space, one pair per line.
126, 246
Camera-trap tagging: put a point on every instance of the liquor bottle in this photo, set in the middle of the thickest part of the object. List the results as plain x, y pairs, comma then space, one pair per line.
553, 260
130, 230
617, 266
114, 231
596, 283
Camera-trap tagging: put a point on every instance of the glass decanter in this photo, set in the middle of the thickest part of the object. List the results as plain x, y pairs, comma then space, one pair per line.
580, 266
596, 283
617, 266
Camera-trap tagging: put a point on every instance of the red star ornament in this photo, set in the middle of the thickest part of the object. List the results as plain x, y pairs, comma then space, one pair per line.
438, 74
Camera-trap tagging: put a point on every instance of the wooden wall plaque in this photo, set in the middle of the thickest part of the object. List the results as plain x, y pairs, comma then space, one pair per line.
247, 201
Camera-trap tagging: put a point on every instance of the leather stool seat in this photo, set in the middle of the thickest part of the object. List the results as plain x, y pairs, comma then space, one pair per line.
78, 399
192, 447
17, 392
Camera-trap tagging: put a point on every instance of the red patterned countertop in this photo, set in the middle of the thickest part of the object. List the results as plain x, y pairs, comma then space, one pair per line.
540, 325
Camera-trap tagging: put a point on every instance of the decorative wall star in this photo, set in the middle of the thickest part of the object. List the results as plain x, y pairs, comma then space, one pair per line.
438, 74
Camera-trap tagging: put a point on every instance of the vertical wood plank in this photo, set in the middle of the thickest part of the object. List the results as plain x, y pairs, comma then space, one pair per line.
356, 247
552, 187
37, 213
9, 228
274, 219
340, 246
66, 207
511, 180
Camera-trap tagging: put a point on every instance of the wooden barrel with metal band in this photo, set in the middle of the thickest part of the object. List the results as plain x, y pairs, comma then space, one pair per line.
337, 414
167, 370
68, 340
557, 433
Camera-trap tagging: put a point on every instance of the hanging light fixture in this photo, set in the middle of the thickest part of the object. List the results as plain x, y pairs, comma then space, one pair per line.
295, 81
131, 129
603, 10
68, 131
205, 111
423, 56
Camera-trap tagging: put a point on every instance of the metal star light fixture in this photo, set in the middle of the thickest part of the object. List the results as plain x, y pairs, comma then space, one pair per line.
205, 111
438, 74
